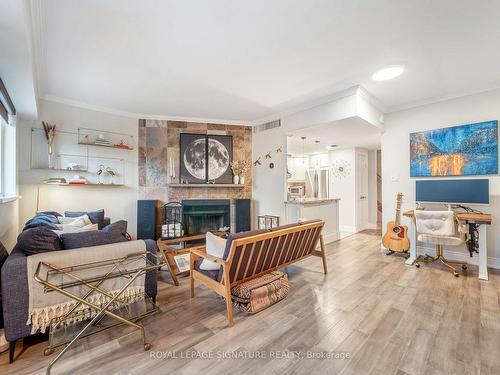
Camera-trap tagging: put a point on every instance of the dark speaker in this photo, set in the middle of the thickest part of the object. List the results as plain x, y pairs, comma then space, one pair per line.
242, 215
146, 219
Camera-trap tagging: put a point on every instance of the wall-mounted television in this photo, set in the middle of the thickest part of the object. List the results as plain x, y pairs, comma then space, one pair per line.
457, 191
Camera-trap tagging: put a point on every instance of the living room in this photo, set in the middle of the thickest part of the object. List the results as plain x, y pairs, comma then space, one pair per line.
231, 187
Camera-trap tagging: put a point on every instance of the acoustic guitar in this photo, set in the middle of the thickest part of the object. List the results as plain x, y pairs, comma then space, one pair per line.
396, 237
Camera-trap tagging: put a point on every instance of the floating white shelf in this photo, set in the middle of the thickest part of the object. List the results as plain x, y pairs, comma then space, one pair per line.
108, 146
206, 186
68, 184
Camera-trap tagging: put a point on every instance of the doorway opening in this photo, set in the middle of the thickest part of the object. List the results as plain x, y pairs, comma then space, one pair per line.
340, 160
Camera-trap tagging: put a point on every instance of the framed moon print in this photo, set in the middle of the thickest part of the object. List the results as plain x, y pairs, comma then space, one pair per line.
193, 158
220, 156
206, 158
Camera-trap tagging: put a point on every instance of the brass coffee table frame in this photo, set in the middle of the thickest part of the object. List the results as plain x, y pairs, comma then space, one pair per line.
98, 280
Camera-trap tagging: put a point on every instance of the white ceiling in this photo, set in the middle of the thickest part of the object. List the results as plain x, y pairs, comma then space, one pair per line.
244, 60
349, 132
16, 69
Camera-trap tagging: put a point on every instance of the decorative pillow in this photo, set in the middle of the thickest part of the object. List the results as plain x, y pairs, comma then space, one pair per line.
215, 246
118, 226
79, 221
96, 217
38, 240
67, 228
113, 233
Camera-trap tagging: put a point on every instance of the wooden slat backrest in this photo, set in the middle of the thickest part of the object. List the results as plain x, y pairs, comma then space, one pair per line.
253, 256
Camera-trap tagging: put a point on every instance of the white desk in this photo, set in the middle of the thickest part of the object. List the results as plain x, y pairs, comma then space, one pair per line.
473, 218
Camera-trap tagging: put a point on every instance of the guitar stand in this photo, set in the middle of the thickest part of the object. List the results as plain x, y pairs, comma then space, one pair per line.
402, 254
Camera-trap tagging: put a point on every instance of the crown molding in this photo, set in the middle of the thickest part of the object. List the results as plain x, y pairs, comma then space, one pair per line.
317, 102
112, 111
366, 95
439, 99
37, 30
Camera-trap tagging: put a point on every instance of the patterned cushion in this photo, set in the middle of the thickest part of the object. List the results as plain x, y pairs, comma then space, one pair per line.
258, 294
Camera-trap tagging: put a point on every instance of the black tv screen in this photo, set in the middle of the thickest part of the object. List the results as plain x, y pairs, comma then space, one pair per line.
473, 191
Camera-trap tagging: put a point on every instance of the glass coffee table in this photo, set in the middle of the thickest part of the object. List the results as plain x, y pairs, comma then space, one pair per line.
82, 283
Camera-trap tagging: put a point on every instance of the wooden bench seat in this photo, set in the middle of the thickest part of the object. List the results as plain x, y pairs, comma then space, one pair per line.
252, 254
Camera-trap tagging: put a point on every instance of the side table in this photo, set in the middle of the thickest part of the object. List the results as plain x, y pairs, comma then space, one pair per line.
186, 245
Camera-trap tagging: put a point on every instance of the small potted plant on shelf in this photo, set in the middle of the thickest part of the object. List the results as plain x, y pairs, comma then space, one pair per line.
235, 167
50, 134
239, 169
244, 167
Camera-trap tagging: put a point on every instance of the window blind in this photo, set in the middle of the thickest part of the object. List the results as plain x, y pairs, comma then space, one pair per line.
6, 106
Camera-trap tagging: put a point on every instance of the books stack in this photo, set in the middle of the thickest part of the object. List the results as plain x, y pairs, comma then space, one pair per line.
55, 181
78, 181
102, 142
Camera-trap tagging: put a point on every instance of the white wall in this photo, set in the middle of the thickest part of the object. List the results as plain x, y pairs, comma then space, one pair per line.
372, 189
319, 160
297, 166
343, 107
8, 224
269, 185
118, 202
396, 155
345, 189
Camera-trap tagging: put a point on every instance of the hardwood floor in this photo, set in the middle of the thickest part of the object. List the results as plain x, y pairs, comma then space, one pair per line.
382, 316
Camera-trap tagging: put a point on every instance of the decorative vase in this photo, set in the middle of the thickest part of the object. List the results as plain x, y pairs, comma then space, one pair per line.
236, 179
51, 163
242, 180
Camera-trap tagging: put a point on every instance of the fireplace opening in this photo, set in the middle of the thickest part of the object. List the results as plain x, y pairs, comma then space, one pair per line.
205, 215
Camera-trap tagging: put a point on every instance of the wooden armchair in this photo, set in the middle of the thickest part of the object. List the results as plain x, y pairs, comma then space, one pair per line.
252, 254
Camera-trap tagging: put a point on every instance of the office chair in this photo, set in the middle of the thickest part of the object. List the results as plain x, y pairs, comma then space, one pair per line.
439, 228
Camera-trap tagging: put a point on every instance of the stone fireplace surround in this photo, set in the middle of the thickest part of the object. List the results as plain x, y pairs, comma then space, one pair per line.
159, 141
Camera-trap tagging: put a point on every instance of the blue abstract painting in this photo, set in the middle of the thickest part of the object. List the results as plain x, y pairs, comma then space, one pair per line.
456, 151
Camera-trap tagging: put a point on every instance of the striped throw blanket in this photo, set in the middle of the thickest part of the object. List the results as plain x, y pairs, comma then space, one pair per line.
45, 306
257, 294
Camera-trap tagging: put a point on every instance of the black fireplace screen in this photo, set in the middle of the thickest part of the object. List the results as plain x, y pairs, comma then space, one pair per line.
205, 215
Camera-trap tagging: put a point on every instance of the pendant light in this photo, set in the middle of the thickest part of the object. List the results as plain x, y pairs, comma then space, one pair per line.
303, 149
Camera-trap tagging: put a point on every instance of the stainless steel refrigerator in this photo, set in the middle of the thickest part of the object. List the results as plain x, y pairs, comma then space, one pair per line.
317, 183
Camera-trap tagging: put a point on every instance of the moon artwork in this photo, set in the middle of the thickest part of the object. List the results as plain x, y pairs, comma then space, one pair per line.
218, 159
194, 159
201, 153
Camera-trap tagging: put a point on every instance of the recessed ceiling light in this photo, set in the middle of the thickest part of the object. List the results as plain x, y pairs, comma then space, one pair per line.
330, 147
390, 72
